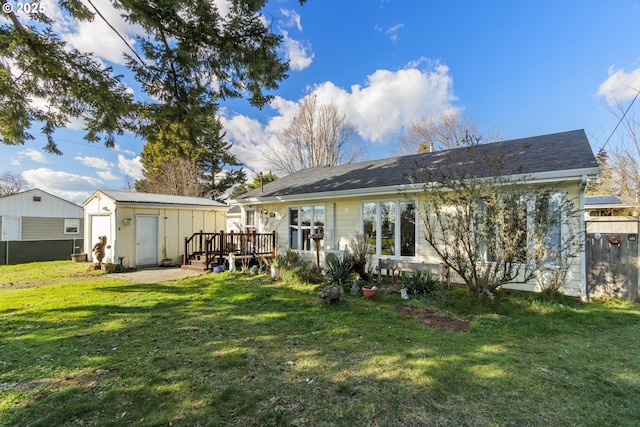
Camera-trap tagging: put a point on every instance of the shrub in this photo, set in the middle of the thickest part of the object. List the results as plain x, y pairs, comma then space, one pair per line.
290, 259
339, 272
359, 256
420, 283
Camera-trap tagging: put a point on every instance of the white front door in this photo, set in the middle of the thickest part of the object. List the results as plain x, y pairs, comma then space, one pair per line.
101, 226
11, 228
146, 240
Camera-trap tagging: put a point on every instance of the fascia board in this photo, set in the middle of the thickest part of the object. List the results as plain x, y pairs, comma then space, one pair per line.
537, 178
171, 206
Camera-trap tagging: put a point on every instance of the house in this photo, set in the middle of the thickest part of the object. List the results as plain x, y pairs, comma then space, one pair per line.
145, 229
604, 207
234, 220
377, 198
39, 226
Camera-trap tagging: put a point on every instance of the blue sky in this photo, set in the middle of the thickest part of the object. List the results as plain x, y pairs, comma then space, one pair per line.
519, 68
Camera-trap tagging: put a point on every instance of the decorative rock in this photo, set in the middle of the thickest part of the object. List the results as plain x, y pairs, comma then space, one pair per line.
332, 293
356, 288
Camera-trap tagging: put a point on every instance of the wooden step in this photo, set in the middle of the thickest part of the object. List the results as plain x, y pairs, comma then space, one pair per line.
194, 267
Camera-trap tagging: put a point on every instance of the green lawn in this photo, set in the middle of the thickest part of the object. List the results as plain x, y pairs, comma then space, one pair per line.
84, 349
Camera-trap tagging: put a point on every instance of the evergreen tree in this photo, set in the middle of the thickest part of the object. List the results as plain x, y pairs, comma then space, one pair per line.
191, 56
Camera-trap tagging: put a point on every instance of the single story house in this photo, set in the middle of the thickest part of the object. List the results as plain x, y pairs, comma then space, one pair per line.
378, 198
39, 226
145, 229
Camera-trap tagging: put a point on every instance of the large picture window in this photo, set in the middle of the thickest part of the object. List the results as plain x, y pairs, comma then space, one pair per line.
518, 222
390, 227
304, 222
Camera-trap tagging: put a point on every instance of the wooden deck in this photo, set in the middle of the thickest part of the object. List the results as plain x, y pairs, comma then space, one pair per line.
203, 250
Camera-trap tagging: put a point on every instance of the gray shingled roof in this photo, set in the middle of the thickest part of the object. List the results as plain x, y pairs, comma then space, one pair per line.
547, 153
601, 200
164, 199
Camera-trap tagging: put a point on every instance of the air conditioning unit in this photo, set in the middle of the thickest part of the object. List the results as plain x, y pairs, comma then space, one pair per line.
331, 253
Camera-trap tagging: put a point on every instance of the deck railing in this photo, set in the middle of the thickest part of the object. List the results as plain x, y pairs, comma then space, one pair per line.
213, 247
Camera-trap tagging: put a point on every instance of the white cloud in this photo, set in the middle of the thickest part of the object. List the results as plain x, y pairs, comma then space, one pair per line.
122, 150
249, 137
620, 86
97, 37
130, 167
34, 155
293, 18
297, 52
15, 162
72, 187
380, 109
391, 100
107, 175
393, 32
95, 162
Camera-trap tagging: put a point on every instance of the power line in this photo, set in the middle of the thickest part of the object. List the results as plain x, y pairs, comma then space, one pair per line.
117, 33
621, 119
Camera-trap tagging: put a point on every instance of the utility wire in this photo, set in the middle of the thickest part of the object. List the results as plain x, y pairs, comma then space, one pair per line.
118, 33
621, 119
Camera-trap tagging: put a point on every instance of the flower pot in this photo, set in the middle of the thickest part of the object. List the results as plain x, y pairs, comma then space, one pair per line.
79, 257
108, 267
369, 292
275, 271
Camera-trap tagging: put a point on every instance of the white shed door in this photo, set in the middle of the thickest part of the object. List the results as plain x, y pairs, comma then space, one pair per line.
10, 228
100, 226
146, 240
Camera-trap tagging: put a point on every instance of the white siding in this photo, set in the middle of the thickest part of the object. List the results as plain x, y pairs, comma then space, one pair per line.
25, 204
347, 222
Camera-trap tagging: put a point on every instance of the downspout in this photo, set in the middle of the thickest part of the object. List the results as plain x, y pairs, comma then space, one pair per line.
583, 234
333, 227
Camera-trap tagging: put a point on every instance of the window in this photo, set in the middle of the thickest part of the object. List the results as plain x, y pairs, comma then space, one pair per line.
516, 220
250, 219
71, 226
304, 222
549, 215
407, 229
390, 227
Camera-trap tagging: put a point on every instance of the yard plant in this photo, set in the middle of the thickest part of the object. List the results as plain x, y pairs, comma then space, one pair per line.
83, 348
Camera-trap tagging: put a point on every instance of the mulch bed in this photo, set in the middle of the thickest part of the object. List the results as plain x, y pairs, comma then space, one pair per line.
433, 319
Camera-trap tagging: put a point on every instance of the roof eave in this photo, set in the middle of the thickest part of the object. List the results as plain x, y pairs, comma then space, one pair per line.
572, 175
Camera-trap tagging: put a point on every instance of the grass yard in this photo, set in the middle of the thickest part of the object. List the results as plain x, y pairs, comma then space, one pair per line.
80, 348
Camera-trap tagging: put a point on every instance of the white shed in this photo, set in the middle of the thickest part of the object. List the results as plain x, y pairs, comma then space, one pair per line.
145, 229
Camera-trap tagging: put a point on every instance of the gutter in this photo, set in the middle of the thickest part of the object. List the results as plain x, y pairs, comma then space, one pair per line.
575, 175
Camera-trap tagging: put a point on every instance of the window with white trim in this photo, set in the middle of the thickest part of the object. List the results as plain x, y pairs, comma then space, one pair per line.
250, 219
390, 227
305, 222
544, 215
71, 226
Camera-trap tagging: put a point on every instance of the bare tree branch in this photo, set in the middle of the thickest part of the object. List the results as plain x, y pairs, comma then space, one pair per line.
319, 135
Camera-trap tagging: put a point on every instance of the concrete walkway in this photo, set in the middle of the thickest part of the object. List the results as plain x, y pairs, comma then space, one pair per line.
155, 274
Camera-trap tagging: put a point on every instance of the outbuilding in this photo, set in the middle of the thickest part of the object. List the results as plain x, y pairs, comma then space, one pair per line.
38, 226
145, 229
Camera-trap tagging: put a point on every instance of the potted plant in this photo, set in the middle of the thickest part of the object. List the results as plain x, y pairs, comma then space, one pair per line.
275, 268
370, 292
